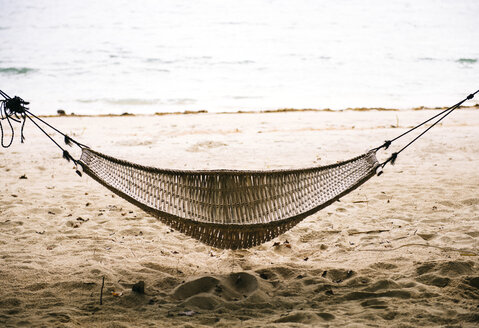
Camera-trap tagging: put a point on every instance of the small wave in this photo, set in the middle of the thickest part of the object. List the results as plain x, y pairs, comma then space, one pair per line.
237, 62
467, 60
161, 61
128, 101
16, 70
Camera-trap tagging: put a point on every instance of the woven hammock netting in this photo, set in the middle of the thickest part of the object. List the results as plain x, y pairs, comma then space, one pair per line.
226, 208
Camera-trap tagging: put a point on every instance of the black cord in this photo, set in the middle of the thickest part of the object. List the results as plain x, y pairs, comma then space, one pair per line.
14, 109
67, 138
66, 154
387, 143
442, 115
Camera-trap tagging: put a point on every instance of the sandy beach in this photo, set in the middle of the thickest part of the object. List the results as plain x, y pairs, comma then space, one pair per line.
400, 251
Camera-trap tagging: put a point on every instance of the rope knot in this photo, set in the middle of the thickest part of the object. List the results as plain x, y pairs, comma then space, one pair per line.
470, 96
386, 144
15, 105
12, 109
393, 158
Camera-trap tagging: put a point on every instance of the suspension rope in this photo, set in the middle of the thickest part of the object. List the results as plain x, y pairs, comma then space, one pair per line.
387, 143
442, 115
66, 154
13, 109
67, 138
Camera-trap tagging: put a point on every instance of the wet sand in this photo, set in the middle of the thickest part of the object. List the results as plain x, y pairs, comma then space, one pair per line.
402, 250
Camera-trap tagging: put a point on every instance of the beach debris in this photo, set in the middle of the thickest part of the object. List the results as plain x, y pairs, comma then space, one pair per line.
116, 294
139, 287
23, 177
285, 244
188, 313
40, 232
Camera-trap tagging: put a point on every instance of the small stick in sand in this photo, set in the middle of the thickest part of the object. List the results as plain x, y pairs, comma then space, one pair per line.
101, 291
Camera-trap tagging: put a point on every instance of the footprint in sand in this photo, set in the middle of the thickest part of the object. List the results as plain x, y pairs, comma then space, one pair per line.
440, 274
471, 201
208, 292
338, 275
194, 287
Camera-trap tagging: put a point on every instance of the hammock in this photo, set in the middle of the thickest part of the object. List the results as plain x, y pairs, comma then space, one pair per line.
229, 209
222, 208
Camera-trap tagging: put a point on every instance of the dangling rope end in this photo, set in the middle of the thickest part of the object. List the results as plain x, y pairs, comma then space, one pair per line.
379, 170
79, 169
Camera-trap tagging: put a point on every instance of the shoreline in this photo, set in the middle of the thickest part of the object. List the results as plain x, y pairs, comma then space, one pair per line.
267, 111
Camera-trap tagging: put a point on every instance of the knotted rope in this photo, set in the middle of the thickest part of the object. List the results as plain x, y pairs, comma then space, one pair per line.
12, 109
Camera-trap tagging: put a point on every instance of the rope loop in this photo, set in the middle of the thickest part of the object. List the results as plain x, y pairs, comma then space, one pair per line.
15, 106
12, 109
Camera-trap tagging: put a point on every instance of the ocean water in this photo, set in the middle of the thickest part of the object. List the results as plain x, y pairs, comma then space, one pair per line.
105, 56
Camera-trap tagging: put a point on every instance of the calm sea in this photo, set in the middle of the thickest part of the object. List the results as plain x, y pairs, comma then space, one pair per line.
105, 56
